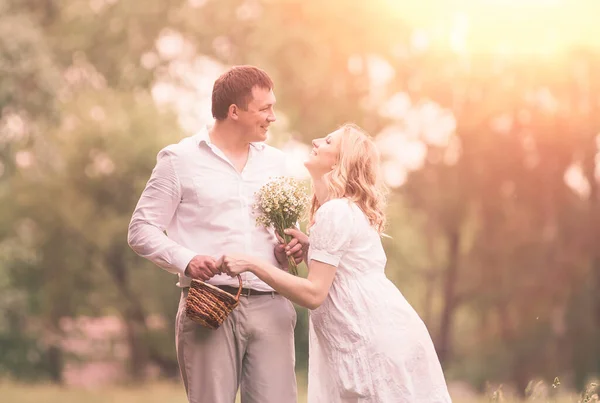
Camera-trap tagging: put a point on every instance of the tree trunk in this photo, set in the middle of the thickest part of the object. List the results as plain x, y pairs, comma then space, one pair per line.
138, 346
450, 279
56, 364
430, 277
593, 232
595, 249
133, 314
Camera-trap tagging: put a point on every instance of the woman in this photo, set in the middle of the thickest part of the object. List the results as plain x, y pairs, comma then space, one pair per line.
367, 344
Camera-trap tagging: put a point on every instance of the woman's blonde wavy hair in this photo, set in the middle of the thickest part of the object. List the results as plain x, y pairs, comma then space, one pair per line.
356, 176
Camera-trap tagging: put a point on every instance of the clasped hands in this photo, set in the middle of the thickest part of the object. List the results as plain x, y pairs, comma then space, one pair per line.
205, 267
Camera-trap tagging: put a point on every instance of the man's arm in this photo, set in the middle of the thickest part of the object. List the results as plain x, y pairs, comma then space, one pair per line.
152, 215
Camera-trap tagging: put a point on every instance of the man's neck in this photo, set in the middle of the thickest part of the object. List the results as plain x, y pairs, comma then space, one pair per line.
228, 138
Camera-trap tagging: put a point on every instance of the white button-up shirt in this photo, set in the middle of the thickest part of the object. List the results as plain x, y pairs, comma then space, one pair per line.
205, 207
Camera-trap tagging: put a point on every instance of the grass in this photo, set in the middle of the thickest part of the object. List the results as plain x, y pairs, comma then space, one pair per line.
170, 392
156, 392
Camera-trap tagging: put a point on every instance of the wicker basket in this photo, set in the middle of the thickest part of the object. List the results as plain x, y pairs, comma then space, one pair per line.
209, 305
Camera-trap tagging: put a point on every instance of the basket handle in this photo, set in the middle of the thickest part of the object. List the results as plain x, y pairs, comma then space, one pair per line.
237, 297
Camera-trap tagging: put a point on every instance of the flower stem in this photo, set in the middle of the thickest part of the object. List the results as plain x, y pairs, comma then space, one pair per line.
292, 266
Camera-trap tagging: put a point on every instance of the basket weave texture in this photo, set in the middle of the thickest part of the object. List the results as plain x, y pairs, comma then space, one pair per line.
208, 305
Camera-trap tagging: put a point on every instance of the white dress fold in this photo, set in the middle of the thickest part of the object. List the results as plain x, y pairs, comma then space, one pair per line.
367, 344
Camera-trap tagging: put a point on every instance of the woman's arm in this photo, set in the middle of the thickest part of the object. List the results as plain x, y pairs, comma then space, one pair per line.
309, 292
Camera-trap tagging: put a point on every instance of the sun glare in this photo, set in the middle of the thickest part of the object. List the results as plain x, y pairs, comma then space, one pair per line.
503, 26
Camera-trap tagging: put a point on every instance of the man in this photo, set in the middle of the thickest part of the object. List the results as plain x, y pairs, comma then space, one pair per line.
201, 193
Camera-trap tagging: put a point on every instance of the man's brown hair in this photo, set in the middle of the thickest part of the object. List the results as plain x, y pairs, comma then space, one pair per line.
235, 87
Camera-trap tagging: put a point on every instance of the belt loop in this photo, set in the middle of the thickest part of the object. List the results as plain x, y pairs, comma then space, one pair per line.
272, 294
249, 291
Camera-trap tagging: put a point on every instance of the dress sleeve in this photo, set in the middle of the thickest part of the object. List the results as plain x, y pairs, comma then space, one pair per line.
332, 231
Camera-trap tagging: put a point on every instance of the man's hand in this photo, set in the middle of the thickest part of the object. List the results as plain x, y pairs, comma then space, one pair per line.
202, 268
297, 247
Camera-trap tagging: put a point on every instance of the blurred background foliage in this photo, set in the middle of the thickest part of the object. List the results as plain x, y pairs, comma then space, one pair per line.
490, 137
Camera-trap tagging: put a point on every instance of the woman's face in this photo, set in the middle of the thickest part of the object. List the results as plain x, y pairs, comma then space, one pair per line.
324, 154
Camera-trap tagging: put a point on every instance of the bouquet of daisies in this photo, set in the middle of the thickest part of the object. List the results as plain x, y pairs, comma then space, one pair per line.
280, 204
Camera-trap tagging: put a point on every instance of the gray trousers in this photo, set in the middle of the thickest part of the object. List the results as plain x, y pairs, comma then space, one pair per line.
253, 350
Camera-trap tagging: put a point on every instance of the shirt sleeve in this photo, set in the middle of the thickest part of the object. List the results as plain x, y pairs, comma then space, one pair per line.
152, 215
331, 234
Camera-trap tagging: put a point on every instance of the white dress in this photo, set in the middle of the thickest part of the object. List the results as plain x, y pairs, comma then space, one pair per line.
367, 344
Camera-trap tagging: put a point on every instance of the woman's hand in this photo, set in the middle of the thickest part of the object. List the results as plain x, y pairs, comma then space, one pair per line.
236, 264
298, 238
283, 251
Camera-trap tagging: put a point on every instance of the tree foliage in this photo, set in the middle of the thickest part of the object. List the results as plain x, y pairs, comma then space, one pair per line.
494, 247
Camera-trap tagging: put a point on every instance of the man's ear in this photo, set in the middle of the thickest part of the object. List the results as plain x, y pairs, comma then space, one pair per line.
233, 111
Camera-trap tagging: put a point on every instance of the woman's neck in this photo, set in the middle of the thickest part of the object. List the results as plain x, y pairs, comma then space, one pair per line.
321, 191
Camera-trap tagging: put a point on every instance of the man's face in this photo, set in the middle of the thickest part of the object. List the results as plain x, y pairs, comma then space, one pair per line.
259, 114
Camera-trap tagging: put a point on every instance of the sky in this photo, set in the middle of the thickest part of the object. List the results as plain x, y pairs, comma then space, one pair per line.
508, 26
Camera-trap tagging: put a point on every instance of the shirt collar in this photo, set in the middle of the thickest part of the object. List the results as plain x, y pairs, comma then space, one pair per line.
203, 137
